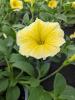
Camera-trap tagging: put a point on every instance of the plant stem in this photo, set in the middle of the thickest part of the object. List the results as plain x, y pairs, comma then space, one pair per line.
19, 74
32, 12
56, 71
10, 71
37, 67
24, 82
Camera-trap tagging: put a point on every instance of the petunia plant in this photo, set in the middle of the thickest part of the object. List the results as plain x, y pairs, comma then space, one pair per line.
32, 42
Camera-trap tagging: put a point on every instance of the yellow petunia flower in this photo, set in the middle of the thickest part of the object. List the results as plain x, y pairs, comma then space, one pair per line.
52, 4
40, 39
72, 35
16, 4
73, 4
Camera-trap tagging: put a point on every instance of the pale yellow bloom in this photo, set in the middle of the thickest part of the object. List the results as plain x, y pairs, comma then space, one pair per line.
73, 4
16, 4
72, 35
52, 4
40, 39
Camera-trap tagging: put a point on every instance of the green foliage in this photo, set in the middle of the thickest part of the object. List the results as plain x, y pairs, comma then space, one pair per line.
13, 93
20, 63
3, 48
8, 30
34, 82
24, 66
62, 91
44, 69
3, 84
59, 84
39, 94
16, 69
68, 93
26, 20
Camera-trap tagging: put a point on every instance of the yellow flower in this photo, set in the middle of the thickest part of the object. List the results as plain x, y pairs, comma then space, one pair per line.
16, 4
72, 35
73, 4
52, 4
40, 39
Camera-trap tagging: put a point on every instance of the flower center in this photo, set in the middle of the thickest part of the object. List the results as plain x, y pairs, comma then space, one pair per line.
15, 3
40, 42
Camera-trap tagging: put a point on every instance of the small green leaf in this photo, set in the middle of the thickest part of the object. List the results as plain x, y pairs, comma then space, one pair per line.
16, 57
35, 93
26, 19
61, 17
39, 94
3, 48
44, 69
34, 82
9, 41
25, 66
3, 73
13, 93
71, 21
19, 62
68, 93
8, 31
45, 16
59, 84
46, 96
18, 26
70, 50
3, 84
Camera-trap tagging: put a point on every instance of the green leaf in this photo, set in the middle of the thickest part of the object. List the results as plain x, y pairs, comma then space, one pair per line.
3, 48
39, 94
9, 42
16, 57
71, 21
68, 93
70, 50
72, 15
20, 63
44, 69
61, 17
3, 84
25, 66
45, 96
13, 93
26, 19
18, 26
8, 31
34, 82
59, 84
3, 73
45, 16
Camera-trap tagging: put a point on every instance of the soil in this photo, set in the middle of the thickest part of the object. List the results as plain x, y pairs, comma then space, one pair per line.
69, 30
